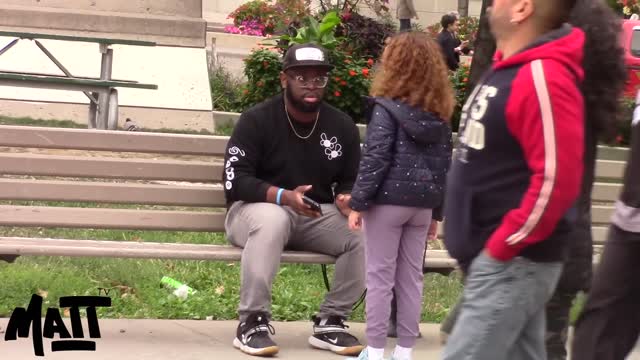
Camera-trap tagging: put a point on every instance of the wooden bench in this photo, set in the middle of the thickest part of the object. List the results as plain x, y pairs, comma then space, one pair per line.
102, 93
178, 176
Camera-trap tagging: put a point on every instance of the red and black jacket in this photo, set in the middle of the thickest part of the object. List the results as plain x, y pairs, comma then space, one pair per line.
517, 170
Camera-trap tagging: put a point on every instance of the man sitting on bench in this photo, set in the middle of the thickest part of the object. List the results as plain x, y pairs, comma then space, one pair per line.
281, 165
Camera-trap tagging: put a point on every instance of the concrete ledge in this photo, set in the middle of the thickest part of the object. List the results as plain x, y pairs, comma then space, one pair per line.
149, 118
235, 41
190, 8
162, 29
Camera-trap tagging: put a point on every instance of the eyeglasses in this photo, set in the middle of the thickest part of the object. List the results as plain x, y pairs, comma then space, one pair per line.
319, 81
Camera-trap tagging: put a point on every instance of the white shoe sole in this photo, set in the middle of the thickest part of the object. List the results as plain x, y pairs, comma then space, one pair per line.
341, 350
268, 351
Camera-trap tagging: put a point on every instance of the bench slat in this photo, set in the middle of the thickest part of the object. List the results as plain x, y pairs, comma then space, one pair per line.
93, 218
148, 194
117, 193
111, 140
109, 168
610, 169
57, 80
145, 169
606, 191
601, 214
119, 249
125, 219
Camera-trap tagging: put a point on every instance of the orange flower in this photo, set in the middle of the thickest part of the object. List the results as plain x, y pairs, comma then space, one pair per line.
338, 78
370, 62
337, 93
352, 73
245, 91
365, 72
343, 83
465, 80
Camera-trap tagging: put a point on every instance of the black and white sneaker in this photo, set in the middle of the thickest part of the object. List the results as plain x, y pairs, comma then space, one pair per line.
331, 334
252, 336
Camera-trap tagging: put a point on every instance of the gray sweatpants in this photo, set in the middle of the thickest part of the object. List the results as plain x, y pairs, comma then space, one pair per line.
395, 238
264, 230
503, 310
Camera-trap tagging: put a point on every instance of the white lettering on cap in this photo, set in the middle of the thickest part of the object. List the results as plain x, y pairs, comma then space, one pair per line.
303, 54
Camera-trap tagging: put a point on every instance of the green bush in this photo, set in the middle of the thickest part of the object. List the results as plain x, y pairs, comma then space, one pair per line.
262, 69
459, 81
363, 36
350, 81
225, 89
623, 123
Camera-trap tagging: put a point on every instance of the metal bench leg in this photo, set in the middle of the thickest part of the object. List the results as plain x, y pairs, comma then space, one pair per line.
105, 74
112, 117
93, 112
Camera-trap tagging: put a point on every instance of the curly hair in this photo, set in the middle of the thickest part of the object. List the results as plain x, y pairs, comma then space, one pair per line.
603, 63
413, 71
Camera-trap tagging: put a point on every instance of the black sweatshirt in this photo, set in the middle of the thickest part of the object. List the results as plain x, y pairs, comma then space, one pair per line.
448, 42
263, 151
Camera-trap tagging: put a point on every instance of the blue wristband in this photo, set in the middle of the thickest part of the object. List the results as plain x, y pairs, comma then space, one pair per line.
278, 195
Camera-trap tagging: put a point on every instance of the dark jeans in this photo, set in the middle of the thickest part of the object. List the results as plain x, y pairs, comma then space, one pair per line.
609, 325
405, 24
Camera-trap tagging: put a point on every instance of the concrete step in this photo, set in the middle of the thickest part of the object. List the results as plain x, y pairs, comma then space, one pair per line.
163, 29
189, 8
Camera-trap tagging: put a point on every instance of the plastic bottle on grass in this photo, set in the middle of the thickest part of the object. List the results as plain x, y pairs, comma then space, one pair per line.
181, 290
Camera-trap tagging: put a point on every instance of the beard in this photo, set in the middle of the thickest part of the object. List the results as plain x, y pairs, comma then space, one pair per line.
300, 104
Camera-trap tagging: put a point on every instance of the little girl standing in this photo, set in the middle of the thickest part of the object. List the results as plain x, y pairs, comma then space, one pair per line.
400, 184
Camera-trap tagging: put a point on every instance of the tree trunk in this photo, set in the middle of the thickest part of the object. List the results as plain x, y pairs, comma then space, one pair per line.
463, 8
484, 48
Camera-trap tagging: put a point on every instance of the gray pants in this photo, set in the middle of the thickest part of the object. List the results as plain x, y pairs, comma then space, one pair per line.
264, 230
503, 311
395, 242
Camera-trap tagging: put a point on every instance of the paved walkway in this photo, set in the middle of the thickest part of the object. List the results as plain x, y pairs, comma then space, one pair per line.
196, 340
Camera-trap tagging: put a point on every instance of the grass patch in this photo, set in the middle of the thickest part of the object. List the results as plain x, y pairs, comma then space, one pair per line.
27, 121
135, 283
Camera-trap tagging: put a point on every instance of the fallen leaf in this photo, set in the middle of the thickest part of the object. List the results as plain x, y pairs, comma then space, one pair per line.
220, 290
66, 312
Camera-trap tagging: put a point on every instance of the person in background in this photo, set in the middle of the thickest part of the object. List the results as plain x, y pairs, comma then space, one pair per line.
451, 45
514, 182
604, 79
399, 189
406, 11
609, 325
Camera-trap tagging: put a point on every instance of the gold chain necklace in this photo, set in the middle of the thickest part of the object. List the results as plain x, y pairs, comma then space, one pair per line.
286, 111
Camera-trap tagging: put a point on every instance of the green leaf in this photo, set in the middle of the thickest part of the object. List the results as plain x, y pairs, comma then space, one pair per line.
329, 23
313, 29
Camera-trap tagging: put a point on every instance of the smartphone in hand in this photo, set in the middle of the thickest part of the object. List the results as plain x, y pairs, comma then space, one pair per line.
314, 205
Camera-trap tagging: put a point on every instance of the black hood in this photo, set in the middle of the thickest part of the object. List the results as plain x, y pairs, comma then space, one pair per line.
422, 126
